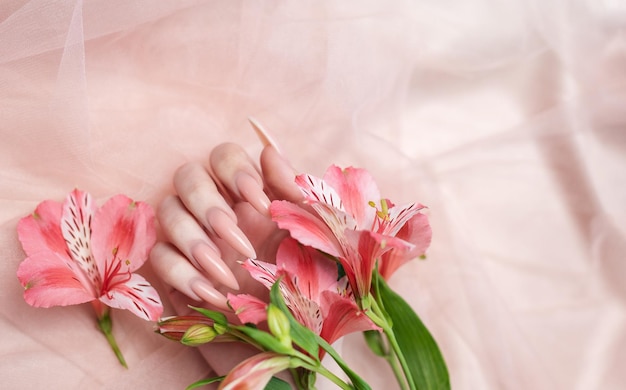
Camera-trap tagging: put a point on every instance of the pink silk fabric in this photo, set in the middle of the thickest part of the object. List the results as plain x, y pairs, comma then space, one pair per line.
506, 118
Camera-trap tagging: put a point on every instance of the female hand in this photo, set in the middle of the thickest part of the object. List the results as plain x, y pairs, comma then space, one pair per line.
220, 216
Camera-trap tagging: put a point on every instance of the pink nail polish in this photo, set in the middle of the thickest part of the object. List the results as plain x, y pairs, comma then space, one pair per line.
210, 261
252, 192
207, 292
227, 230
263, 135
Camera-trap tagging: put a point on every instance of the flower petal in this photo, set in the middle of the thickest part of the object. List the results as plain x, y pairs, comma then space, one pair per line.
261, 271
356, 188
48, 281
124, 229
305, 310
255, 372
341, 317
312, 271
248, 308
316, 190
76, 221
391, 261
136, 295
328, 205
304, 227
417, 231
41, 231
399, 216
360, 259
365, 248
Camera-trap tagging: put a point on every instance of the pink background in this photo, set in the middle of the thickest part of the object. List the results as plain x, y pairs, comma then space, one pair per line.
506, 118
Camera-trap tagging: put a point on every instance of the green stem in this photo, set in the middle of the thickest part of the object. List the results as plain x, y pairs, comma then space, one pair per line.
356, 380
380, 319
397, 371
328, 374
106, 326
398, 353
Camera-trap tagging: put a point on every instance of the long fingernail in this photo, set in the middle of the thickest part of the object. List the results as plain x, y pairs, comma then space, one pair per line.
210, 261
228, 230
252, 192
208, 293
263, 134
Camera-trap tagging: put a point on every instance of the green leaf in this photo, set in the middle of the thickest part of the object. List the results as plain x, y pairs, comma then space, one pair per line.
274, 383
300, 334
204, 382
264, 339
277, 384
216, 316
420, 350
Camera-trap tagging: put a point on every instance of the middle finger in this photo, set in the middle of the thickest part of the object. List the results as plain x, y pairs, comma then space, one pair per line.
201, 197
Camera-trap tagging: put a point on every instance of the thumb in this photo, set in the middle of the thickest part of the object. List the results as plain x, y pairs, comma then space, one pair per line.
279, 175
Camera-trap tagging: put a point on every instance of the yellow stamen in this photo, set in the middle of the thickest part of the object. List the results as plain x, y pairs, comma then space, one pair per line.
384, 206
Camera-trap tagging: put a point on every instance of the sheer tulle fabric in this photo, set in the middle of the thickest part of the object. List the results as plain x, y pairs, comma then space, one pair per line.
506, 118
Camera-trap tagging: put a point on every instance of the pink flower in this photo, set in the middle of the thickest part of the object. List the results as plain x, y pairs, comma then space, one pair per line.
350, 225
255, 372
77, 252
311, 291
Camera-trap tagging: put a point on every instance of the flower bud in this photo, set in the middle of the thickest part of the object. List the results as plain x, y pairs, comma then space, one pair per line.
198, 334
278, 323
220, 328
175, 327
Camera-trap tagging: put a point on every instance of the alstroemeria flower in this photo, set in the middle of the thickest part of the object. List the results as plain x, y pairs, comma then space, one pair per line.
352, 227
255, 372
80, 253
309, 285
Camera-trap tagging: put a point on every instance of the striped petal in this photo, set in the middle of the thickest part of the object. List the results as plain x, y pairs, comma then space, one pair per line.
398, 217
357, 189
76, 221
136, 295
261, 271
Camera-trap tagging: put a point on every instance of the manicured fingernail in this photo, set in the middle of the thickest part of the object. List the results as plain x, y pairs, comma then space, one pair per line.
263, 135
228, 230
208, 293
210, 261
251, 191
